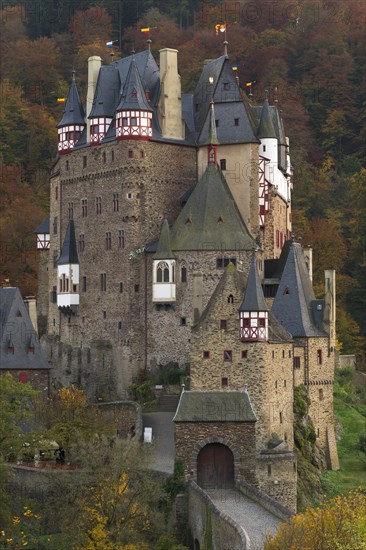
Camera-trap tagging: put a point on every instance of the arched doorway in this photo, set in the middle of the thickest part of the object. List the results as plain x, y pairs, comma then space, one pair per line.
215, 467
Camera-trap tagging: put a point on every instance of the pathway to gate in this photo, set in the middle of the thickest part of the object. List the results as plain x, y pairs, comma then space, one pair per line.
250, 515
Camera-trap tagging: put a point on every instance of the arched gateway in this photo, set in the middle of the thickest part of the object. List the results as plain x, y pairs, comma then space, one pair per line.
215, 467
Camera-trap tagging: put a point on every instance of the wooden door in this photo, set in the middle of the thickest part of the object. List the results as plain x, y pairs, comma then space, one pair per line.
215, 467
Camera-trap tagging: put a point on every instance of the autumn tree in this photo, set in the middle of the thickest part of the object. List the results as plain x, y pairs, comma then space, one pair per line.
339, 523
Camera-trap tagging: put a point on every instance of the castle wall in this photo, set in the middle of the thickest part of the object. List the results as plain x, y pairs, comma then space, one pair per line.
277, 224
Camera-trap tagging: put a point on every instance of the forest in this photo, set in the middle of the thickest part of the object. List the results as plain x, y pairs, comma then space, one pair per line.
309, 54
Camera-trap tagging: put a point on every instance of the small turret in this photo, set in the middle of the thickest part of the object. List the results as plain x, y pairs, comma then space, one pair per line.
134, 114
164, 269
68, 273
253, 310
43, 235
267, 134
72, 123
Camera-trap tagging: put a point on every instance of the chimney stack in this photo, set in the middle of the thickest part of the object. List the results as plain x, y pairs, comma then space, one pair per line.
330, 306
170, 100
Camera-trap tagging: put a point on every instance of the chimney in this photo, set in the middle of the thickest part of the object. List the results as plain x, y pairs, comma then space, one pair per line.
308, 257
330, 305
31, 305
94, 64
170, 100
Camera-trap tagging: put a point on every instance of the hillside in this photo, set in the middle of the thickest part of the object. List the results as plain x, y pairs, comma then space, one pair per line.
309, 55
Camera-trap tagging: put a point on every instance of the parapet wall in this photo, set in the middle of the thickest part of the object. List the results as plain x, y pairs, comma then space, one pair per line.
210, 527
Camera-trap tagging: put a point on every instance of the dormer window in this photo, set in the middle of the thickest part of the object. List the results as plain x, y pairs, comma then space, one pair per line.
10, 346
18, 314
31, 347
162, 273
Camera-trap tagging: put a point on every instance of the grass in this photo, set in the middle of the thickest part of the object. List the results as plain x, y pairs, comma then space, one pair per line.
352, 461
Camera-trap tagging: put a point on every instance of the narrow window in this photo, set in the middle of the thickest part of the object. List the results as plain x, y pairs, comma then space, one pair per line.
142, 154
206, 354
67, 166
121, 239
84, 162
216, 123
104, 315
112, 155
121, 287
236, 122
224, 382
296, 362
55, 222
98, 205
183, 275
108, 240
269, 469
81, 242
284, 383
273, 354
137, 288
183, 321
103, 282
56, 192
319, 356
289, 353
104, 157
321, 394
70, 211
130, 154
83, 284
230, 299
244, 354
223, 164
228, 355
264, 148
226, 86
223, 324
84, 208
119, 325
281, 419
283, 354
115, 202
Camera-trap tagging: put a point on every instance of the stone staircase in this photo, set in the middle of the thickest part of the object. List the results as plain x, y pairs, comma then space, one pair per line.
168, 403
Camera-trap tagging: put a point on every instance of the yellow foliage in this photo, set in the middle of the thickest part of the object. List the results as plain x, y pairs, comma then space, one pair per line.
339, 525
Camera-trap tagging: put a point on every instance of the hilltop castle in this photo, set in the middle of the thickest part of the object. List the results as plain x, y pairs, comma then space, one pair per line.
169, 243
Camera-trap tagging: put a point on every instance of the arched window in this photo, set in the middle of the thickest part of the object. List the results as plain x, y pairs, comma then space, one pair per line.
162, 273
230, 299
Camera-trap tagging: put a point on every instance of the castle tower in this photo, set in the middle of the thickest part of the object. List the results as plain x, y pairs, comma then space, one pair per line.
72, 124
164, 284
253, 310
134, 113
68, 273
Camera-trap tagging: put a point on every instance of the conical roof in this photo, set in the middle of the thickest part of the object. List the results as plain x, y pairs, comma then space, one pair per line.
210, 219
133, 96
74, 111
254, 297
164, 251
295, 296
69, 253
266, 127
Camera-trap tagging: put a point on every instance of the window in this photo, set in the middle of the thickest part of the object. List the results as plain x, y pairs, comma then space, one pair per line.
133, 121
55, 223
281, 418
223, 164
223, 324
104, 157
142, 153
137, 288
81, 243
104, 315
236, 122
216, 123
84, 162
115, 202
183, 321
108, 240
226, 86
183, 274
121, 239
119, 325
112, 155
224, 382
244, 354
228, 355
221, 263
269, 469
289, 353
121, 287
264, 148
84, 208
103, 282
273, 354
67, 166
23, 377
130, 154
319, 356
162, 273
230, 299
83, 284
206, 354
56, 192
321, 394
296, 362
70, 211
98, 205
284, 383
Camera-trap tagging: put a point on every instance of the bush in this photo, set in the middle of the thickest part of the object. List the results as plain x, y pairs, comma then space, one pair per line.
362, 443
169, 376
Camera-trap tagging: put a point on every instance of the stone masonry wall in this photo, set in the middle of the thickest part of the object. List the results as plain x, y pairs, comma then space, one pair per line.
277, 219
190, 438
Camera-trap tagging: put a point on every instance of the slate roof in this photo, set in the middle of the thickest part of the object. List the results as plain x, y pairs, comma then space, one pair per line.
15, 324
266, 127
133, 95
210, 219
73, 112
44, 227
253, 298
69, 254
295, 299
214, 406
164, 251
107, 93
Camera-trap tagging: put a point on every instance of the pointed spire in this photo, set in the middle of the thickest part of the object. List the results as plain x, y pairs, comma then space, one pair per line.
133, 95
69, 253
73, 112
212, 136
164, 250
266, 128
254, 297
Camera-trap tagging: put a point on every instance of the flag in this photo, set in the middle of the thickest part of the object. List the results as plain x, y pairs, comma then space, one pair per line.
60, 100
145, 30
220, 27
234, 67
249, 84
111, 43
